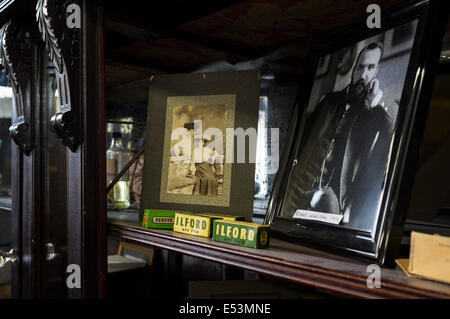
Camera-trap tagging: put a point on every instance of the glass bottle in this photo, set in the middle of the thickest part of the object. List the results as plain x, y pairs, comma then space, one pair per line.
116, 158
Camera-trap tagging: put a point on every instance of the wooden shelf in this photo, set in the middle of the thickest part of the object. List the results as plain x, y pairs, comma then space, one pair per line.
299, 264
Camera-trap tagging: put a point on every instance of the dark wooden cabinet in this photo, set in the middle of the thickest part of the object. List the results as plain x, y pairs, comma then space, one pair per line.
58, 149
59, 75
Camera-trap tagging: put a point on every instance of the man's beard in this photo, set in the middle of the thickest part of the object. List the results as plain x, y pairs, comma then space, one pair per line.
357, 92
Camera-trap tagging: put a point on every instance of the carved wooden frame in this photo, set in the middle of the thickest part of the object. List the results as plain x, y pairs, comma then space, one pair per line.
64, 52
5, 4
16, 55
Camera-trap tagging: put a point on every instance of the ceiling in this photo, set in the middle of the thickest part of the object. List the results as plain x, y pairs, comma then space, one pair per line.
151, 37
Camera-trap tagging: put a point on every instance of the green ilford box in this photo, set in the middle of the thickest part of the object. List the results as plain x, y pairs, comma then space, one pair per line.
155, 218
242, 233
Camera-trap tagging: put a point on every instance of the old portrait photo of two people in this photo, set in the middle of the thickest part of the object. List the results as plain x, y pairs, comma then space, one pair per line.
352, 110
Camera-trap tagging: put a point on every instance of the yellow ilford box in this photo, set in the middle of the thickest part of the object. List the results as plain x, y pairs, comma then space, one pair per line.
197, 224
242, 234
193, 224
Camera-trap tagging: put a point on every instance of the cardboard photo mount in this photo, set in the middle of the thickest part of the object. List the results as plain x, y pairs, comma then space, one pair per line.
242, 87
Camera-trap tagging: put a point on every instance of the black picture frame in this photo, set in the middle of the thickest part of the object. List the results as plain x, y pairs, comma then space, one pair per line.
381, 243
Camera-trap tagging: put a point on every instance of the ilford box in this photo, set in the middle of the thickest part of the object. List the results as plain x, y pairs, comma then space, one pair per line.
198, 224
154, 218
193, 224
241, 233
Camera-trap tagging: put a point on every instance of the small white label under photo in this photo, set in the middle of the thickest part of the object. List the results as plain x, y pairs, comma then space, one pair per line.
318, 216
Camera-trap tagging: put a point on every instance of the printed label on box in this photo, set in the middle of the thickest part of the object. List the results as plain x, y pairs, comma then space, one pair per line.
193, 224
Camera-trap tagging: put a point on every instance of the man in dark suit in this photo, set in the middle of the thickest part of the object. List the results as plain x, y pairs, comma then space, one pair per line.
347, 140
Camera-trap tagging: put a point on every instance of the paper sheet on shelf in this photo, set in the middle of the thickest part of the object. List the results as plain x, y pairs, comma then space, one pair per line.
429, 257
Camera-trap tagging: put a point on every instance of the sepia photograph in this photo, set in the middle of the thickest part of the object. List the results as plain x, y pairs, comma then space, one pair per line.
203, 177
342, 161
194, 170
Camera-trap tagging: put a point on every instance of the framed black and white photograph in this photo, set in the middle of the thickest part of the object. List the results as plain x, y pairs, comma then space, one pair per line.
191, 163
357, 134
